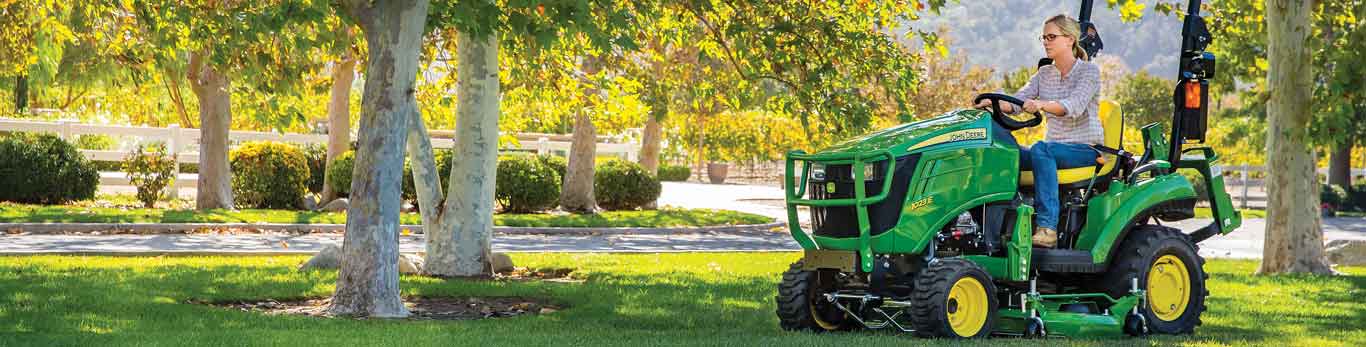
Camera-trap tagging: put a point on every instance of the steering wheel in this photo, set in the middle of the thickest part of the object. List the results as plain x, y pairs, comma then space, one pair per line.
1001, 118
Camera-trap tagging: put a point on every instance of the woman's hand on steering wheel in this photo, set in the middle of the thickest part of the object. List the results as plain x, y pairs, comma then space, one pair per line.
992, 102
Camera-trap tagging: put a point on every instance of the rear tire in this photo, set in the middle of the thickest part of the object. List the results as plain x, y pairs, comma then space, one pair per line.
1169, 268
953, 298
802, 306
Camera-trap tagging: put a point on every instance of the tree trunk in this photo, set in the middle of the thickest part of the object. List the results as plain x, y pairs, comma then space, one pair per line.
1294, 237
1340, 164
578, 178
577, 195
367, 284
339, 118
649, 150
466, 229
701, 146
20, 94
214, 188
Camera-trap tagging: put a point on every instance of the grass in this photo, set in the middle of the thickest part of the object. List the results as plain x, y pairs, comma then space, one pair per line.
115, 211
627, 300
1204, 212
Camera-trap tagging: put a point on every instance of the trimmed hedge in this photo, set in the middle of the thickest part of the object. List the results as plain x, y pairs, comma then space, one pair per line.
624, 185
526, 184
44, 169
443, 171
268, 175
1333, 195
1356, 197
317, 166
557, 163
674, 173
340, 172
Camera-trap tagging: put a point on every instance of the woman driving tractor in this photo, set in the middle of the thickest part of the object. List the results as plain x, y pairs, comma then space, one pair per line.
1067, 91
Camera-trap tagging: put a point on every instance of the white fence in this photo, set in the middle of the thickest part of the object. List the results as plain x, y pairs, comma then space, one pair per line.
183, 144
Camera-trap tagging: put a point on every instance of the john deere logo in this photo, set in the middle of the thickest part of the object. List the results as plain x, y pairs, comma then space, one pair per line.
830, 188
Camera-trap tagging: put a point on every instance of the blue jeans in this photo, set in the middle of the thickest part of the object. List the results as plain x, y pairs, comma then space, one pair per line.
1045, 158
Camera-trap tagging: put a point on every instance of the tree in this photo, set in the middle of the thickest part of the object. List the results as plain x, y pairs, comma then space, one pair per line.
368, 282
577, 194
339, 109
1294, 236
460, 222
1145, 98
268, 40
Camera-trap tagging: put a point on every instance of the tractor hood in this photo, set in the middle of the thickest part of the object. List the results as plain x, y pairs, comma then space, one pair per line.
958, 125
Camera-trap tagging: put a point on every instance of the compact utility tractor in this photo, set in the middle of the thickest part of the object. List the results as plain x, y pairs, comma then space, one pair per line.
926, 227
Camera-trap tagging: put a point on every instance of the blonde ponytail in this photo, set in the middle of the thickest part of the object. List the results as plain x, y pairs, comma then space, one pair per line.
1070, 28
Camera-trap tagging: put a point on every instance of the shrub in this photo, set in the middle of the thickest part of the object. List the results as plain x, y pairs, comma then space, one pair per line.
268, 175
317, 166
674, 173
340, 172
1333, 195
624, 185
149, 171
443, 172
1357, 196
526, 184
44, 169
555, 162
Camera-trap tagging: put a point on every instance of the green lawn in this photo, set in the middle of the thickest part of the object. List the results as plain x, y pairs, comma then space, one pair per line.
627, 300
24, 213
1204, 212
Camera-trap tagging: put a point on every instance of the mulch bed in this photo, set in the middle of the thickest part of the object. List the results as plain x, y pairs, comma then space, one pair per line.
422, 308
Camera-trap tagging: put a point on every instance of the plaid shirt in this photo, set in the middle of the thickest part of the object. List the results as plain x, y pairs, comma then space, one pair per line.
1078, 92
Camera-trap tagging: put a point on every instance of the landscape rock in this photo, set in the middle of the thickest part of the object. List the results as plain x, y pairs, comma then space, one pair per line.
339, 205
500, 263
310, 202
411, 264
328, 258
1346, 252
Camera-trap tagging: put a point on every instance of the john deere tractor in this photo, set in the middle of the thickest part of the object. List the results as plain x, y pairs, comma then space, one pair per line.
926, 227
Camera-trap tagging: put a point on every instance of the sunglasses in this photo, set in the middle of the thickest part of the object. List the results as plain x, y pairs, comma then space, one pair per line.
1049, 37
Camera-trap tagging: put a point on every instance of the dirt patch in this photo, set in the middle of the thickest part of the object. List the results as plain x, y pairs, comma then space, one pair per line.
558, 275
422, 308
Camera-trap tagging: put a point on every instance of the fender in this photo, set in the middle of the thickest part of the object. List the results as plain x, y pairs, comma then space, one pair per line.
1124, 205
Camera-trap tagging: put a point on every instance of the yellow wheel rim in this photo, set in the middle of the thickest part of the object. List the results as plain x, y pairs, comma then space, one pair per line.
1169, 286
967, 306
816, 316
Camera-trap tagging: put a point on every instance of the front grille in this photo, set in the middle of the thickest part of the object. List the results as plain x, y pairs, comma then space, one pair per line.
842, 221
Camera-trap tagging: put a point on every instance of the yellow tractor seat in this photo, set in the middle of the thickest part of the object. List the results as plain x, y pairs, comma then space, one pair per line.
1110, 120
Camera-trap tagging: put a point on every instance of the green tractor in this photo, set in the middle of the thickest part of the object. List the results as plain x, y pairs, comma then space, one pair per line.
926, 227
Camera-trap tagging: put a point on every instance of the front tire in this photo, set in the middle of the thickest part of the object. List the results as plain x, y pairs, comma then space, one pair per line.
954, 298
802, 306
1169, 269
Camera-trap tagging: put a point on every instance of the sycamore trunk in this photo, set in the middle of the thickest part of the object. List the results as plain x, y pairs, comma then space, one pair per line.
213, 89
577, 194
1294, 237
467, 221
367, 284
338, 118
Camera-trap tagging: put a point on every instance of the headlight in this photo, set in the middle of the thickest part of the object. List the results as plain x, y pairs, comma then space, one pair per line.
818, 172
874, 171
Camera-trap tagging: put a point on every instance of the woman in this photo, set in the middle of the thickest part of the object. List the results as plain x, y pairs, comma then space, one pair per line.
1066, 92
